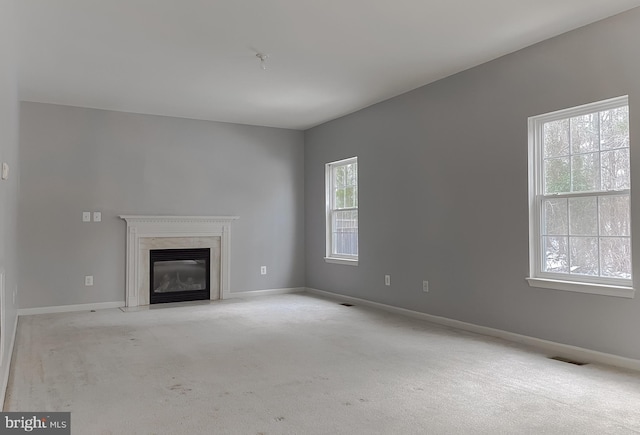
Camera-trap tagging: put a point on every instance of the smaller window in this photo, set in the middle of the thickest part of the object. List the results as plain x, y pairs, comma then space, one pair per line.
342, 211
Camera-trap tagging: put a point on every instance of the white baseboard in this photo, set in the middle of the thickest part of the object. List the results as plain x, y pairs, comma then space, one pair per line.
119, 304
69, 308
274, 291
555, 349
7, 368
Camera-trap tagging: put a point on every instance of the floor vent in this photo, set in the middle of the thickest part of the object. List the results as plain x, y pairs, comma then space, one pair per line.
347, 305
567, 360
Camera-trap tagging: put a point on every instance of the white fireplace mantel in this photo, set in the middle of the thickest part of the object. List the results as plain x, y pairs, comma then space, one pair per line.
142, 229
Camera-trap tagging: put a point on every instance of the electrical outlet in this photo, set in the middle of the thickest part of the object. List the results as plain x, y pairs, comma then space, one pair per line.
97, 216
88, 280
425, 286
387, 280
86, 216
263, 270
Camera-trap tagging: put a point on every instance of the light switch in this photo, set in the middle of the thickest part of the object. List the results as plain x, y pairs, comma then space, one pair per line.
97, 216
86, 216
5, 170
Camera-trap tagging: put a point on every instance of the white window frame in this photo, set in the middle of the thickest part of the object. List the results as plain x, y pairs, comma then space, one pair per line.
330, 257
618, 287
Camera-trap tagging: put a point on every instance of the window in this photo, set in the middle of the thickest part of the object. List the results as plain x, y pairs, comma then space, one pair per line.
579, 184
342, 211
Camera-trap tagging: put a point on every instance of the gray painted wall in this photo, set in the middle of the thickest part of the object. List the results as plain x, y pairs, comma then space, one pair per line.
8, 188
76, 159
451, 159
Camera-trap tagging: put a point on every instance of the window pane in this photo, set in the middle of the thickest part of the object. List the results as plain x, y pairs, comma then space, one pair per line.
614, 127
583, 216
349, 197
556, 175
555, 217
615, 257
340, 198
355, 172
615, 170
339, 176
350, 177
614, 216
345, 232
584, 255
556, 138
555, 254
585, 172
585, 133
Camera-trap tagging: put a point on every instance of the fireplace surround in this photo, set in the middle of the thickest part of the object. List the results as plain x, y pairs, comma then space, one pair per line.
147, 233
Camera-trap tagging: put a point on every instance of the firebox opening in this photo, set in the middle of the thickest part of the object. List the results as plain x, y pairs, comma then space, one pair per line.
179, 275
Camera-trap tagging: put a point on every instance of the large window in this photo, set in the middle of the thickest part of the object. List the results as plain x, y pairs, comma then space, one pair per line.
580, 219
342, 211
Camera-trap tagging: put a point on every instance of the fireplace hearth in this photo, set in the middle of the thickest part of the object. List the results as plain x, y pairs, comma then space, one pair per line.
179, 275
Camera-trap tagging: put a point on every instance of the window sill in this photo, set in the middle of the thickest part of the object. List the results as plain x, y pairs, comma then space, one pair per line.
581, 287
346, 261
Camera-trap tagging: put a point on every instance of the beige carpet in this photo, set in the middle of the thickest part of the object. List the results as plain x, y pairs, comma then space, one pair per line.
298, 364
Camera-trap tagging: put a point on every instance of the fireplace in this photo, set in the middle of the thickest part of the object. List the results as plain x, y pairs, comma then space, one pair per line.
178, 275
148, 233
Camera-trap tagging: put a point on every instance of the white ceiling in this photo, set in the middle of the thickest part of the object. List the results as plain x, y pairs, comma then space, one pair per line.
327, 58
